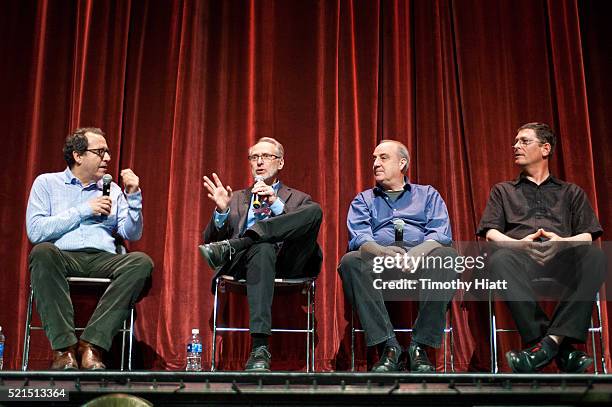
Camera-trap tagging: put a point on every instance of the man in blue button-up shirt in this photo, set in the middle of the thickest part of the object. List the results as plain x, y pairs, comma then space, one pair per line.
73, 227
397, 220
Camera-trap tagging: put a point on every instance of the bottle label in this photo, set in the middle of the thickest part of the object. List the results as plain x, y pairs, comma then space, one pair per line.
194, 347
1, 349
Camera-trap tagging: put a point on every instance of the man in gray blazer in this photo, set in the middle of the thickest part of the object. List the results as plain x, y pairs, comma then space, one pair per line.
259, 233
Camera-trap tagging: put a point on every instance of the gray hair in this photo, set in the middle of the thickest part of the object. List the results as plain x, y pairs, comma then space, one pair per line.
280, 151
402, 150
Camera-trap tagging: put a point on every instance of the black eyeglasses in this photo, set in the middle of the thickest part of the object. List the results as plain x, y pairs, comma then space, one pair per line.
100, 152
265, 157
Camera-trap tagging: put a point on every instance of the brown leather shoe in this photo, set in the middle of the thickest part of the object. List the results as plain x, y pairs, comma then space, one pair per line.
91, 356
65, 359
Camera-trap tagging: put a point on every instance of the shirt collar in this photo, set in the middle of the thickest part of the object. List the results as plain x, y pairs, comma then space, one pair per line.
380, 191
69, 178
523, 178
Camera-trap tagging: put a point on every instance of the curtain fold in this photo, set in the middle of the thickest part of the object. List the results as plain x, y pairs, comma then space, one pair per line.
183, 88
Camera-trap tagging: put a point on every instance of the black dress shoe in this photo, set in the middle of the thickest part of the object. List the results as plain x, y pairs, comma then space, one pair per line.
570, 360
217, 253
530, 360
419, 362
389, 361
259, 360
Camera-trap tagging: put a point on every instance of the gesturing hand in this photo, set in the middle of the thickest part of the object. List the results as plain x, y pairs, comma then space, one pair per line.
218, 193
130, 180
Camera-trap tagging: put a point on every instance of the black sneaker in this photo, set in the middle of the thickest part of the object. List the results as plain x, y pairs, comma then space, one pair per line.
419, 362
389, 361
259, 360
217, 253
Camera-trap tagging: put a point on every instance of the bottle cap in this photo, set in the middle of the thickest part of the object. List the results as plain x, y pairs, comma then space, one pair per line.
195, 331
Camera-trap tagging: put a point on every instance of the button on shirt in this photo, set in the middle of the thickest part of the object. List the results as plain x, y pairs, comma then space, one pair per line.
58, 212
521, 207
371, 215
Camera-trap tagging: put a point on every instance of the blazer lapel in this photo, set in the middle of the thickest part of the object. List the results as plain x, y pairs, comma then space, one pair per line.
243, 210
284, 193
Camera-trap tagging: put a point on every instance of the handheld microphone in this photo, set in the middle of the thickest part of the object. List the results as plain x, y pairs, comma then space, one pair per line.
398, 227
106, 184
256, 201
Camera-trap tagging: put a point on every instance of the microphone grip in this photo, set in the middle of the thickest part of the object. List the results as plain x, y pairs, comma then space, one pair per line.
399, 234
398, 227
256, 201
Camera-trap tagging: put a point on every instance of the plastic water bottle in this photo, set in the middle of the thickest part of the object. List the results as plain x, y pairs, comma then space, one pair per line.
194, 352
2, 339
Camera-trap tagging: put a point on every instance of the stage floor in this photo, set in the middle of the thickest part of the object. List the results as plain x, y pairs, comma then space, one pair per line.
288, 388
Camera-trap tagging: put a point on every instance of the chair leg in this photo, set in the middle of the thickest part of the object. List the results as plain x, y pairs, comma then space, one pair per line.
314, 324
123, 333
214, 335
309, 310
352, 340
26, 342
604, 369
310, 328
131, 340
450, 332
492, 334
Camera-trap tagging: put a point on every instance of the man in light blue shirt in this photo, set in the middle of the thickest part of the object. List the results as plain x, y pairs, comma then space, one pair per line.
73, 227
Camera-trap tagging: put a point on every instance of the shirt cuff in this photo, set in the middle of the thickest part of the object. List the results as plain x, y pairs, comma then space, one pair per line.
484, 228
438, 237
359, 241
134, 200
220, 218
277, 207
84, 210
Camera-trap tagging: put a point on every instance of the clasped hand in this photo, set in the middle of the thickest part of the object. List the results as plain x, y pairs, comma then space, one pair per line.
542, 252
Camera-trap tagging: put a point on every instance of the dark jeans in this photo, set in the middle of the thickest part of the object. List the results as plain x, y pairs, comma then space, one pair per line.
286, 247
580, 271
357, 282
49, 267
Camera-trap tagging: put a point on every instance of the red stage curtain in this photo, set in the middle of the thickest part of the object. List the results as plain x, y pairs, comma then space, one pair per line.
182, 88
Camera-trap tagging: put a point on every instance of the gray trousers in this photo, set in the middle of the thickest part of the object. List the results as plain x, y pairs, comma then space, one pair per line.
368, 302
49, 267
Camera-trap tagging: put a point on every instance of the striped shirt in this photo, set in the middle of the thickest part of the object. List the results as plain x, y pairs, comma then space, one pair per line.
58, 212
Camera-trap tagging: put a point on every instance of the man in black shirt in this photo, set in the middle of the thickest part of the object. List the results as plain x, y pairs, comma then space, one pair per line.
544, 227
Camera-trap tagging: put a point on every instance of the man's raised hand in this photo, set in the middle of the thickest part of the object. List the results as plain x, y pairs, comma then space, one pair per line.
219, 194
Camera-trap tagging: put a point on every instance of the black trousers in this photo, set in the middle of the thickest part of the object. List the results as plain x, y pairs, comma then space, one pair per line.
579, 270
286, 247
49, 267
358, 284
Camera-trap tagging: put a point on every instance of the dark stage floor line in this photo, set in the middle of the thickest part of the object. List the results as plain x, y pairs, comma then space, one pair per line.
339, 388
